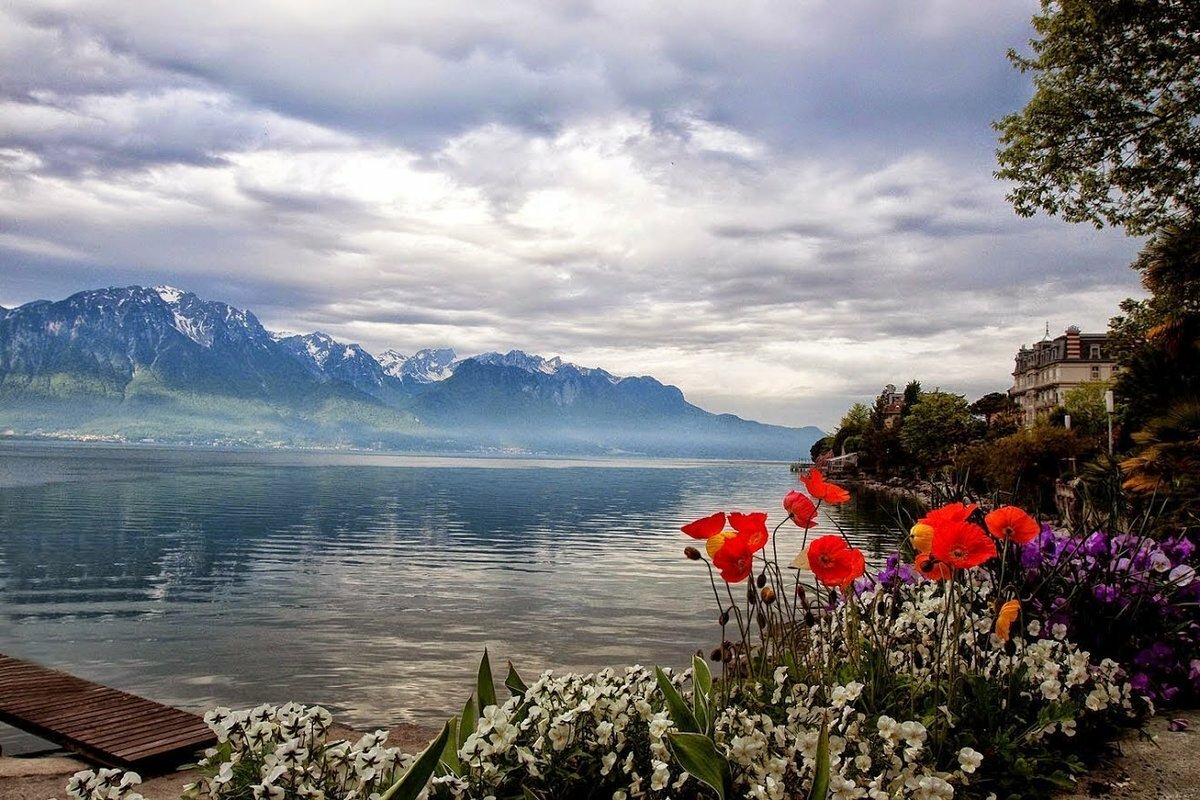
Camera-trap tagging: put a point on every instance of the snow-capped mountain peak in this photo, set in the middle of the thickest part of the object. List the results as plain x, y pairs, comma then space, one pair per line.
424, 366
169, 294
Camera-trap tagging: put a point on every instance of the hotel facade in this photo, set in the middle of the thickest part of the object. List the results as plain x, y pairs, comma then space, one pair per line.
1045, 372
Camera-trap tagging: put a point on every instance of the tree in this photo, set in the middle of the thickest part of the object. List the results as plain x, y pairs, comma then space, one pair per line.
936, 426
1112, 132
1158, 339
1085, 404
854, 426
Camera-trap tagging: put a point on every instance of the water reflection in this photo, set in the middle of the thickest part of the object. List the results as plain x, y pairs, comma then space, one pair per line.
367, 583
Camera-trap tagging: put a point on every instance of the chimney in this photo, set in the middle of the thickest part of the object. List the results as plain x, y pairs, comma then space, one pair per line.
1073, 353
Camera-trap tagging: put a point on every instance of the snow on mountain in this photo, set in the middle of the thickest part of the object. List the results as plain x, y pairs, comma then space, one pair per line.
536, 364
424, 366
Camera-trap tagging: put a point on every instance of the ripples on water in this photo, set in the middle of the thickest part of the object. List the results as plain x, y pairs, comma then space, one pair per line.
367, 583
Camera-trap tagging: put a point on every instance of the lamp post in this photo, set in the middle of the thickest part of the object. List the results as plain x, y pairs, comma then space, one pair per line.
1108, 406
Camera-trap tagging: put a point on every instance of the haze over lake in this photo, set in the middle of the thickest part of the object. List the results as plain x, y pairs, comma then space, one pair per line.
367, 583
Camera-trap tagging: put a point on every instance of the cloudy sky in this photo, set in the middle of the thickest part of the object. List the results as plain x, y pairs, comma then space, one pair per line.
777, 206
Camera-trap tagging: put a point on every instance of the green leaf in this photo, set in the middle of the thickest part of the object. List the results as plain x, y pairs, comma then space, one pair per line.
514, 683
698, 755
820, 787
415, 778
702, 696
486, 691
450, 751
701, 677
470, 715
528, 795
681, 715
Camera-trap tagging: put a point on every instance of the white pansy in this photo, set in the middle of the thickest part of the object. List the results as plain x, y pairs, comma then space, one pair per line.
969, 759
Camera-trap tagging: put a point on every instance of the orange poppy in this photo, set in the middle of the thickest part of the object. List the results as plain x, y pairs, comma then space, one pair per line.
800, 509
1012, 523
735, 559
834, 562
962, 545
1008, 615
819, 488
707, 527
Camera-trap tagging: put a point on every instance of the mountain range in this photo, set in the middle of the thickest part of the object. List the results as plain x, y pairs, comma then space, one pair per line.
163, 364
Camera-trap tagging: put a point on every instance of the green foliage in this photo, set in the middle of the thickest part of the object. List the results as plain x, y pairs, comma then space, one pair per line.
485, 686
936, 426
417, 776
1025, 465
1089, 415
1112, 132
699, 756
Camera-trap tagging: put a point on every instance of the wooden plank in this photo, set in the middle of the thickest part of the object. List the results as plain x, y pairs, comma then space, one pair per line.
102, 724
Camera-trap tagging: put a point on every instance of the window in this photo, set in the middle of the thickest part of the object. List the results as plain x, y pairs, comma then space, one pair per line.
1094, 352
1095, 373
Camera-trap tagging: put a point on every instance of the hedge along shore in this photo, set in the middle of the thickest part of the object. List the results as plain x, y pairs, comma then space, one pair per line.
1163, 767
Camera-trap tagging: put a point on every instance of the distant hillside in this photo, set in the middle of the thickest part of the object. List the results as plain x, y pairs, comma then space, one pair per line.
166, 365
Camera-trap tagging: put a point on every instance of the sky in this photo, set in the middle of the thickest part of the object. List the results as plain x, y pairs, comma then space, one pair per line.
779, 207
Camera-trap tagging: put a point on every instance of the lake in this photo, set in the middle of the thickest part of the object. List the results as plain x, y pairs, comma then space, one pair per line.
367, 583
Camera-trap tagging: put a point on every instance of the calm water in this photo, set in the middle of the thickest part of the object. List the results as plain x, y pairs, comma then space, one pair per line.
367, 583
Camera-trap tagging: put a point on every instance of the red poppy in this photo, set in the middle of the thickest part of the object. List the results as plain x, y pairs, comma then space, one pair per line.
962, 545
948, 514
834, 562
705, 528
753, 527
1011, 522
930, 568
735, 559
818, 487
800, 509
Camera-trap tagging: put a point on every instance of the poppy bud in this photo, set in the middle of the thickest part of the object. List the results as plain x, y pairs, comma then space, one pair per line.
762, 619
762, 579
692, 553
768, 595
723, 619
718, 654
751, 593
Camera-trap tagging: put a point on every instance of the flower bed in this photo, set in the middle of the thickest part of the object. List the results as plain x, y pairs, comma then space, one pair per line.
972, 665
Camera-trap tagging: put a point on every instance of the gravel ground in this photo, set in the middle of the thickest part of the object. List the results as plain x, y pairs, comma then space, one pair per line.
1163, 767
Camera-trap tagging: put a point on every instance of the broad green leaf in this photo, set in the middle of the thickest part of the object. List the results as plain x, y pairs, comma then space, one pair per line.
820, 787
681, 715
514, 683
470, 715
698, 755
415, 778
486, 691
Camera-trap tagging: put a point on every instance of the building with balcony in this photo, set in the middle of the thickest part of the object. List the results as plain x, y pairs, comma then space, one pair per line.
1045, 372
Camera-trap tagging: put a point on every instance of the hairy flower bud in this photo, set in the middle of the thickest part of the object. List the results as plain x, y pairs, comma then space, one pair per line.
762, 618
723, 619
692, 553
762, 579
751, 593
718, 654
768, 595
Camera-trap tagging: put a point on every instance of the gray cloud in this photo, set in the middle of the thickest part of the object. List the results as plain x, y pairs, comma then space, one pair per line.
779, 207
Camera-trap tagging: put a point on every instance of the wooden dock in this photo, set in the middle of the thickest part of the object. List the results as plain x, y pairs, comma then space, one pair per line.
103, 725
